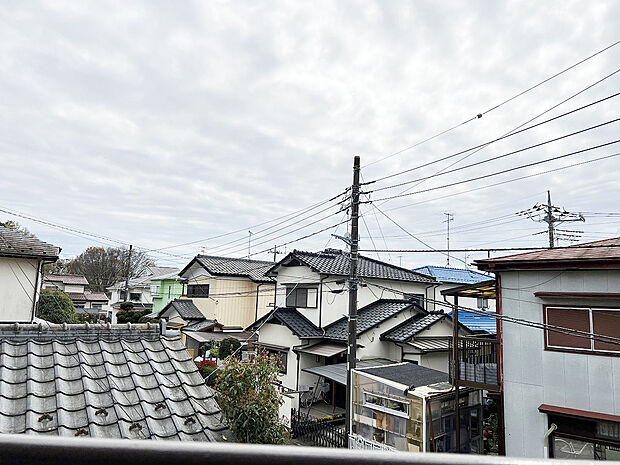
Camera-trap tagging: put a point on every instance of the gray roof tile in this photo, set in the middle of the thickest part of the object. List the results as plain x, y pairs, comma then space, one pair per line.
78, 382
293, 320
406, 330
254, 270
185, 308
336, 262
17, 244
368, 317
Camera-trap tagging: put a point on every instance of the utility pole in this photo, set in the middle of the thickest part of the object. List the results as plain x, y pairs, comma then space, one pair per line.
275, 252
552, 215
351, 352
449, 217
128, 273
249, 243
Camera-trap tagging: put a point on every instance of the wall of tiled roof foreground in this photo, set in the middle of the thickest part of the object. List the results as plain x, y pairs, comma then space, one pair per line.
103, 381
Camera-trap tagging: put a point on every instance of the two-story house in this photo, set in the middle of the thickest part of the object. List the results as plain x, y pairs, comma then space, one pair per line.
139, 288
166, 288
233, 291
21, 260
76, 288
308, 329
559, 333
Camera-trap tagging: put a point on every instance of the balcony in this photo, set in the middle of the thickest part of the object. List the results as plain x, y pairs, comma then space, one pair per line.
476, 363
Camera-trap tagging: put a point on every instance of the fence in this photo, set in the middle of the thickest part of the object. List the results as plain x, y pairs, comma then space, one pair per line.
477, 362
320, 432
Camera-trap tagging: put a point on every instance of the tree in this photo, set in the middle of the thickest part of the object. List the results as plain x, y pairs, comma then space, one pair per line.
55, 306
104, 267
15, 226
249, 400
228, 346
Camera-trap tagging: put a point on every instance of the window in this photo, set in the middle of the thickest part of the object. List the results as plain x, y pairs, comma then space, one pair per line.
417, 299
134, 296
301, 297
97, 306
386, 404
123, 295
597, 321
154, 290
197, 290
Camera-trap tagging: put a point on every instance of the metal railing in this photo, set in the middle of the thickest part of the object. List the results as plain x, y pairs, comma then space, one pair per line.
54, 450
477, 362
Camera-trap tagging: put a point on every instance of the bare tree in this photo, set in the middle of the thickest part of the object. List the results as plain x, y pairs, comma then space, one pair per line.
104, 267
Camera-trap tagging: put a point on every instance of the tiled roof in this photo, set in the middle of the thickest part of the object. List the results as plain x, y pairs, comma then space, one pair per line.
103, 382
368, 317
185, 308
336, 262
66, 279
595, 252
96, 296
17, 244
199, 325
446, 274
236, 267
293, 320
150, 273
411, 327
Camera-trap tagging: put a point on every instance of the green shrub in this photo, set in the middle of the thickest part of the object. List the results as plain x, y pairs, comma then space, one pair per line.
228, 347
55, 306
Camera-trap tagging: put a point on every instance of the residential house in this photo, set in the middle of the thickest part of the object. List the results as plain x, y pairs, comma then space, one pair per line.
103, 381
234, 291
451, 278
76, 287
308, 329
559, 330
21, 261
165, 289
407, 407
139, 288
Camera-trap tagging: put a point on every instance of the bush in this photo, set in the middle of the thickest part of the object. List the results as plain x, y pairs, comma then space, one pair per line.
56, 307
126, 306
228, 346
205, 372
129, 316
250, 402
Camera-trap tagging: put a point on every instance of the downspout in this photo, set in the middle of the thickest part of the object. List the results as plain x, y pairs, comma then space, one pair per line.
36, 288
321, 301
256, 311
426, 293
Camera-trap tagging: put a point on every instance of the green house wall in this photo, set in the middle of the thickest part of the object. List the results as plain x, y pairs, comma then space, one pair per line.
169, 289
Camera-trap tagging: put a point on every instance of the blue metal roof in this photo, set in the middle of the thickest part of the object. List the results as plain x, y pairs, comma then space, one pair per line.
445, 274
477, 322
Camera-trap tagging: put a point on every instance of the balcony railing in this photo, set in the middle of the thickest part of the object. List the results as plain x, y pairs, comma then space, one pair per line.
476, 363
54, 450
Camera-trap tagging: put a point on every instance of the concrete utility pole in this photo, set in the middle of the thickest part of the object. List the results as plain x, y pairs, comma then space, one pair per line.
128, 273
552, 215
449, 217
351, 353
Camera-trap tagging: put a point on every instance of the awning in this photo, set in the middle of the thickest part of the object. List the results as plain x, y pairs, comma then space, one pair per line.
338, 371
484, 289
216, 336
272, 347
430, 344
324, 349
572, 412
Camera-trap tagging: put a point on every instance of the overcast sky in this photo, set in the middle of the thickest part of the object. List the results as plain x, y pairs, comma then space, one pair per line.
160, 123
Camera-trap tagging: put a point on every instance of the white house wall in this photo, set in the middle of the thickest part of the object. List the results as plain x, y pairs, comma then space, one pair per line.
533, 376
18, 277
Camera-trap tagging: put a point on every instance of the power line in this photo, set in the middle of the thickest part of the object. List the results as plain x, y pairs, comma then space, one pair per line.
486, 144
497, 173
479, 115
488, 249
498, 157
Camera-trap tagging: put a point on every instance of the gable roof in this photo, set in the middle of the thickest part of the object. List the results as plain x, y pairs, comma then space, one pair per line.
185, 308
299, 325
255, 270
336, 262
408, 374
102, 381
77, 279
149, 274
370, 316
15, 243
409, 328
445, 274
595, 254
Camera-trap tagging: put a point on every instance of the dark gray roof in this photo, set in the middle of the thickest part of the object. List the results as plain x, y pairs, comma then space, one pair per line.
237, 267
368, 317
409, 374
301, 326
66, 278
336, 262
199, 325
15, 243
409, 328
185, 308
102, 381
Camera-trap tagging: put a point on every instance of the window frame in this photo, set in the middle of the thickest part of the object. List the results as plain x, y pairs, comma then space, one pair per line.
381, 408
592, 350
192, 287
294, 288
